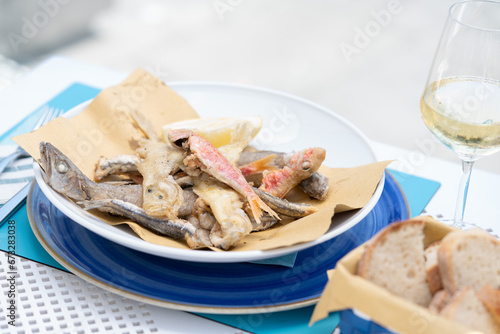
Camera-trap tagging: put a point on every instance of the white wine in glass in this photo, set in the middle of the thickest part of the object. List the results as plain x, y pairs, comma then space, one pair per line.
461, 100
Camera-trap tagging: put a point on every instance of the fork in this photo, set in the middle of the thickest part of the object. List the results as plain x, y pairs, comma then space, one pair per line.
48, 115
12, 204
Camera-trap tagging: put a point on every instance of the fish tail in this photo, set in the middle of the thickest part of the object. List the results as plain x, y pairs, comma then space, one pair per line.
257, 205
267, 209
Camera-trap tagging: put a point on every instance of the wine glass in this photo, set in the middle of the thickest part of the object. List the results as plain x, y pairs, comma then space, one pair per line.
461, 100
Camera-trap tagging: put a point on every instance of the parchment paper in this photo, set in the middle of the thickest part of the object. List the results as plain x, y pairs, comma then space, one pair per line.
105, 128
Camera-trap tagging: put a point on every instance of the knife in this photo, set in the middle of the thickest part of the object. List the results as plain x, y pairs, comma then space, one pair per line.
12, 204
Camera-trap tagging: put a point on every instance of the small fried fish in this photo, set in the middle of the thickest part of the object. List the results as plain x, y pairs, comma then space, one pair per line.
224, 202
62, 175
162, 196
302, 164
284, 207
254, 162
226, 207
211, 161
178, 229
316, 186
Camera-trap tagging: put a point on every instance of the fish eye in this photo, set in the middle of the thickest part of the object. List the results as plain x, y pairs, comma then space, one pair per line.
150, 190
306, 165
61, 167
160, 196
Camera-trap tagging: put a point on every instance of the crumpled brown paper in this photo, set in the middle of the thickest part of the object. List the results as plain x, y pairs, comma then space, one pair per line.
346, 290
106, 129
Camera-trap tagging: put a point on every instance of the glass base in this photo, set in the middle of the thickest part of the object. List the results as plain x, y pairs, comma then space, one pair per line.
464, 225
467, 226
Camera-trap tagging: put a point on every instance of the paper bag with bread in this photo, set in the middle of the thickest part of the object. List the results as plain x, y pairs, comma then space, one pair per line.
420, 276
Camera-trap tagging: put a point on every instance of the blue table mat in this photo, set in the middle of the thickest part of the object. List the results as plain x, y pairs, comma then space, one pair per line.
418, 191
67, 99
27, 245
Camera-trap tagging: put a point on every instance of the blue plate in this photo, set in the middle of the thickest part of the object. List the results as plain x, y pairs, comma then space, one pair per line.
202, 287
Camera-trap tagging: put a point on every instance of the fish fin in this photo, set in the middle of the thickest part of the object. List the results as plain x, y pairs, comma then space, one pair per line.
259, 166
144, 125
89, 205
266, 163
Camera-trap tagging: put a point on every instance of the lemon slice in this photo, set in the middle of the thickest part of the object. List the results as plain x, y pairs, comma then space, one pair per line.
218, 131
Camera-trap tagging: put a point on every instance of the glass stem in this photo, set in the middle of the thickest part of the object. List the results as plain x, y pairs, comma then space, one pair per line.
462, 193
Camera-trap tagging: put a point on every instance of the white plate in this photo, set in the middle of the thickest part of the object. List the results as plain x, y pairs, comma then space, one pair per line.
290, 123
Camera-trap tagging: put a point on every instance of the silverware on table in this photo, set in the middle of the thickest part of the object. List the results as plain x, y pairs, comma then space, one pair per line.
12, 204
48, 115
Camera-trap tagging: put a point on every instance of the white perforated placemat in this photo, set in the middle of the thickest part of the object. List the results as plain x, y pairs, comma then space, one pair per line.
50, 300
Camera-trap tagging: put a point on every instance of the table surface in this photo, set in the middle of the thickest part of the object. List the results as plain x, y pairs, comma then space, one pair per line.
57, 73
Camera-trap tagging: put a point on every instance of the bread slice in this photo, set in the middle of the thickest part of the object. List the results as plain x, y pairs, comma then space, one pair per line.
394, 260
466, 308
439, 301
491, 299
432, 267
469, 258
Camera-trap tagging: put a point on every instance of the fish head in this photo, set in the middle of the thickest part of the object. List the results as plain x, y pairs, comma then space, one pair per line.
61, 173
180, 138
308, 160
162, 198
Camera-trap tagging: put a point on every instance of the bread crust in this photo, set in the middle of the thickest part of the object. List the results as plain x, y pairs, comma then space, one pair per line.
491, 300
363, 264
433, 275
448, 311
445, 255
439, 301
448, 249
466, 307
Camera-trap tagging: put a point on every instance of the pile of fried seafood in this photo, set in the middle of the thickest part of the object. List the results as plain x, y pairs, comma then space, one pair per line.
185, 188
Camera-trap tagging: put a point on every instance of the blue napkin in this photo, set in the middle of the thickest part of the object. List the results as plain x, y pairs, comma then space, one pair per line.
418, 191
285, 260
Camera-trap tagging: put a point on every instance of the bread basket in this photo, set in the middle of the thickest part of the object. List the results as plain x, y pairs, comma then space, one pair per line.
367, 308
